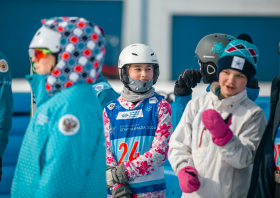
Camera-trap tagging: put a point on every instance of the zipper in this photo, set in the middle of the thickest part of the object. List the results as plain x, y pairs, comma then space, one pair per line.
200, 141
204, 168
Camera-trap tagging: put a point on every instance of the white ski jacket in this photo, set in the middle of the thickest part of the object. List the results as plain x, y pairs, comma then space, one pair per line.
224, 172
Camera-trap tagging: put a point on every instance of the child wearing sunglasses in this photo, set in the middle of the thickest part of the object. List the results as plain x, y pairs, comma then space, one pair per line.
137, 128
103, 89
62, 153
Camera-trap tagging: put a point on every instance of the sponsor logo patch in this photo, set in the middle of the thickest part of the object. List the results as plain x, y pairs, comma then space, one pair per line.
130, 115
69, 124
111, 106
153, 100
208, 56
237, 63
99, 87
3, 65
42, 119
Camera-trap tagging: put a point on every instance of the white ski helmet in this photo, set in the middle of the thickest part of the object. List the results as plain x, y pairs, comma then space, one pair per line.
46, 38
137, 53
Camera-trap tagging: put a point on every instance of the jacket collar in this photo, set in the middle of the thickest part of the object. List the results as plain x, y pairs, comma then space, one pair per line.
226, 102
37, 83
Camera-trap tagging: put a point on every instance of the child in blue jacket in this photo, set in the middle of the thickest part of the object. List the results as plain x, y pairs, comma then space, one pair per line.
63, 154
6, 105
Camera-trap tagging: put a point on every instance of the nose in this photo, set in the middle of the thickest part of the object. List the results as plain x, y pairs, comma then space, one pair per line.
144, 73
34, 59
231, 79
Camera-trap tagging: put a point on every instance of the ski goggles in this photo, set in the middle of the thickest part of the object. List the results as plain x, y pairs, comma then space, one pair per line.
39, 53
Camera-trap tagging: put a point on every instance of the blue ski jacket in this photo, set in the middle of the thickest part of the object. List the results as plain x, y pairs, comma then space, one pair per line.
6, 102
63, 152
104, 91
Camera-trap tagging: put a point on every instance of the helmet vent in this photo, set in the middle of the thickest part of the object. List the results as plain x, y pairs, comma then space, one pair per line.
38, 33
152, 54
133, 45
134, 54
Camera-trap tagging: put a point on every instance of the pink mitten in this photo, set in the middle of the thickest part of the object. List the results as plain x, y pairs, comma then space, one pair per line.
188, 179
221, 133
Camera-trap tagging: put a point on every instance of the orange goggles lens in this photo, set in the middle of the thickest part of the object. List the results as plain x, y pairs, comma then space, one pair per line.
39, 54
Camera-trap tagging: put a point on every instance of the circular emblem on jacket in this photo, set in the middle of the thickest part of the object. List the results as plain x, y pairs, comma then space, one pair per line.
69, 124
3, 65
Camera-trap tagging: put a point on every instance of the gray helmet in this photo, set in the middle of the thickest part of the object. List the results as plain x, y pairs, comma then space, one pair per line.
211, 47
209, 51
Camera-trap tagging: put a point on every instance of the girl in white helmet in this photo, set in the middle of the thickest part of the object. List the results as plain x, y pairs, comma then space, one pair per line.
137, 128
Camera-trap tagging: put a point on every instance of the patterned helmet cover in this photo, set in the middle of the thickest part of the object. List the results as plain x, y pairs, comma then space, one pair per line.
82, 52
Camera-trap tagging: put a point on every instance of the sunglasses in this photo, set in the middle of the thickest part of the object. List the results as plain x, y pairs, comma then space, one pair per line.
39, 53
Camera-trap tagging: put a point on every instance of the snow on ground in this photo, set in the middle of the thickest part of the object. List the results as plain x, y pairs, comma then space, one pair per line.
21, 85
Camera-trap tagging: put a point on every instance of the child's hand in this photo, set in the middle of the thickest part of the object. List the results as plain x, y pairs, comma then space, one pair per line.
221, 133
188, 179
121, 191
115, 175
188, 79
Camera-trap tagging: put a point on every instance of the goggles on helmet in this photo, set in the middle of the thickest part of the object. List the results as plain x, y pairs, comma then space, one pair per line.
39, 53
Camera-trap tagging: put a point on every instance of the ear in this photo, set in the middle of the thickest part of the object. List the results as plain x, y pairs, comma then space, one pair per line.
156, 73
125, 75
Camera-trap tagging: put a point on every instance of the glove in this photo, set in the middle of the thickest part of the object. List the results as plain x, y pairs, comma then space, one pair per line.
188, 79
0, 168
221, 133
188, 179
254, 84
115, 175
121, 191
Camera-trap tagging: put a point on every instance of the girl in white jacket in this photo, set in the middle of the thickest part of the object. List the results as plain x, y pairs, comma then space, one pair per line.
214, 145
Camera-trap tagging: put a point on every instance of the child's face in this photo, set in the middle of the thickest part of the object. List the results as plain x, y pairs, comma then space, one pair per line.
231, 82
141, 71
44, 65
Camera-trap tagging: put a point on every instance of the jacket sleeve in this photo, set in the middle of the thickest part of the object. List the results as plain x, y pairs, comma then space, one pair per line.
253, 94
180, 152
110, 158
178, 108
6, 105
156, 156
70, 156
240, 151
107, 96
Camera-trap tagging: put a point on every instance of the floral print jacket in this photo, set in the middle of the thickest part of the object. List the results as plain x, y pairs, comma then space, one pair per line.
157, 154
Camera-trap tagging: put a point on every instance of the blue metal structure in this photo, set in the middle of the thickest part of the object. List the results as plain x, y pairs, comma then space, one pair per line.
21, 19
188, 30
